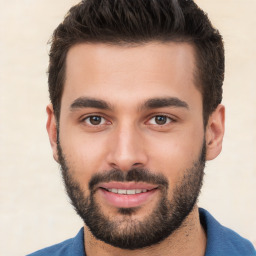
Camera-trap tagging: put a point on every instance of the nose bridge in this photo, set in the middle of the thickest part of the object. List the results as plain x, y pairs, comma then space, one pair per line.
127, 147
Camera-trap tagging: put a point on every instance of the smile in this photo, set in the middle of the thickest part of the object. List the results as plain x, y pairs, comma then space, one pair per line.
127, 191
127, 194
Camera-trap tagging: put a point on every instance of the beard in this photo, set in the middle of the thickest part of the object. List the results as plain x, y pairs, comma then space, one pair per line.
127, 232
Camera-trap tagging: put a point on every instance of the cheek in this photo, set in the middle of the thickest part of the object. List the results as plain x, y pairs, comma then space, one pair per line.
84, 155
173, 154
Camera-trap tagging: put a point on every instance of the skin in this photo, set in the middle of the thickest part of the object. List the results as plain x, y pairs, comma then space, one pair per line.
126, 77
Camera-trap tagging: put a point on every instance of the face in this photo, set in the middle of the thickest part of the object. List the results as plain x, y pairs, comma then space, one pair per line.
131, 140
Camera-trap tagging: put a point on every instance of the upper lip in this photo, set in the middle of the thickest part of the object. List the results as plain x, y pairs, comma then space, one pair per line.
127, 185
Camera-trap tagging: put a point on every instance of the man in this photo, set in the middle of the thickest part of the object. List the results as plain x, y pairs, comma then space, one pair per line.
136, 90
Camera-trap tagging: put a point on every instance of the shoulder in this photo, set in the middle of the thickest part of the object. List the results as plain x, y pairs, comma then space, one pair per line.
222, 240
70, 247
55, 250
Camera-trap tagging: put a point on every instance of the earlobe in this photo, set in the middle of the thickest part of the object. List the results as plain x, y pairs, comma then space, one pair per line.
51, 127
215, 132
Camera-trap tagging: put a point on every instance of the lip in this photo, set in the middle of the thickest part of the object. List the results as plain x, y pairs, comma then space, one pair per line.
127, 185
125, 200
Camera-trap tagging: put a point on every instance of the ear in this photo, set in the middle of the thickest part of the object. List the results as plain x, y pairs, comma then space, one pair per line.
215, 132
51, 127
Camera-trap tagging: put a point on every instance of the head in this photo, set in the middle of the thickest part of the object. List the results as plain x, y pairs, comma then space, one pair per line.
135, 88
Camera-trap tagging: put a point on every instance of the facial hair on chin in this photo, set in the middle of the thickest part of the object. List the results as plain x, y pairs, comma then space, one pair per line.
129, 233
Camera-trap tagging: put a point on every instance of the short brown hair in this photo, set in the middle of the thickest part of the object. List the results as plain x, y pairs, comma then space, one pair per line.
137, 22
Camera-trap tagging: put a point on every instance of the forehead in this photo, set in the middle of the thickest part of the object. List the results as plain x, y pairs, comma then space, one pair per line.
131, 73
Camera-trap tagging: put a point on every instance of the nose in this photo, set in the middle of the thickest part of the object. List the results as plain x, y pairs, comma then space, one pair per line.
127, 149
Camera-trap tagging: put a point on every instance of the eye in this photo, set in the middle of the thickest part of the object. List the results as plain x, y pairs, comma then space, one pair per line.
95, 120
160, 120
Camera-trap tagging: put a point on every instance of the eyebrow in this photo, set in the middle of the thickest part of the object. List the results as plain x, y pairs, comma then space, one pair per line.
164, 102
85, 102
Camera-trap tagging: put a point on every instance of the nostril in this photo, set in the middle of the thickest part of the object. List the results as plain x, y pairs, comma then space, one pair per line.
136, 164
114, 166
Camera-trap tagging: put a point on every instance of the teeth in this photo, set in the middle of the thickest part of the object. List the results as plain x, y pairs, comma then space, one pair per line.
114, 190
130, 192
127, 191
121, 191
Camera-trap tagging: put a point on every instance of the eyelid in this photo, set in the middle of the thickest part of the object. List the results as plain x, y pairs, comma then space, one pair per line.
87, 116
87, 120
171, 117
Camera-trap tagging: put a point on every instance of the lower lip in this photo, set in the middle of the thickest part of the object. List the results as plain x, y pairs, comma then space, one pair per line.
127, 201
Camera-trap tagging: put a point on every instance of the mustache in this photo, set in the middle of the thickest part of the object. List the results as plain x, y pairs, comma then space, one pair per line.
133, 175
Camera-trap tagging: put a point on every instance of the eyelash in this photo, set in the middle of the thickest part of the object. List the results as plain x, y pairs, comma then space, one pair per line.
84, 120
167, 117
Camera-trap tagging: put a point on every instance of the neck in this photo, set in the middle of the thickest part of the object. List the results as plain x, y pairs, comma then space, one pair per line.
189, 239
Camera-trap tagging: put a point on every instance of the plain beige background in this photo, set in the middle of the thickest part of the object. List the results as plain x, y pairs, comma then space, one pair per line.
34, 210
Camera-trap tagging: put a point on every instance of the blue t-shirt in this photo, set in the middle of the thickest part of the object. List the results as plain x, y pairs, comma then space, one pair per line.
221, 241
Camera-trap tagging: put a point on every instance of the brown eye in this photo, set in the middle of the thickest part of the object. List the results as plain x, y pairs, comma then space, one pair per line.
94, 120
160, 120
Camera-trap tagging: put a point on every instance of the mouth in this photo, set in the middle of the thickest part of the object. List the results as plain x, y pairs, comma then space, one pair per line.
126, 191
127, 195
